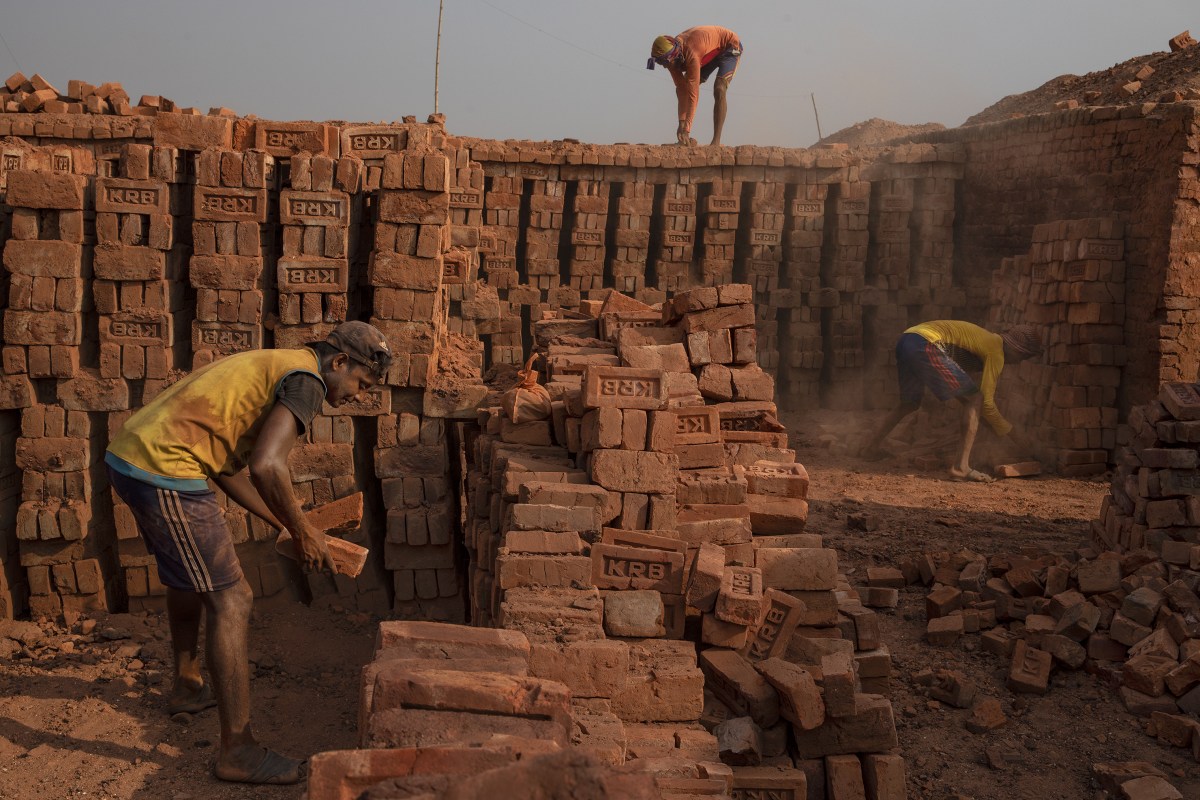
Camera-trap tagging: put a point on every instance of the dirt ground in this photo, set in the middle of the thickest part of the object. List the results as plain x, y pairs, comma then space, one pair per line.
875, 131
1050, 742
82, 715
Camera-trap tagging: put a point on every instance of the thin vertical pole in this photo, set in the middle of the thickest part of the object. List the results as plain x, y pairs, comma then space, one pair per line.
437, 58
813, 95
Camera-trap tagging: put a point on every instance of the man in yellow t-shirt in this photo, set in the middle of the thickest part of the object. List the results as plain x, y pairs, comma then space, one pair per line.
232, 422
938, 356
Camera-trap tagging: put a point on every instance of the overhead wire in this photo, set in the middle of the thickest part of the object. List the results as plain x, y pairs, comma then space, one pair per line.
11, 54
608, 60
556, 36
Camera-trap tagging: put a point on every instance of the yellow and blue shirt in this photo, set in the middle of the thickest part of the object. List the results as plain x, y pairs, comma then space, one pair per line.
988, 347
208, 423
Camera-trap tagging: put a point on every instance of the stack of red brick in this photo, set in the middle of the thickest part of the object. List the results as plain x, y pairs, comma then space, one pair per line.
634, 520
442, 707
454, 712
138, 264
408, 266
677, 243
474, 305
635, 209
13, 585
1153, 509
43, 335
585, 263
717, 224
205, 249
761, 260
1072, 287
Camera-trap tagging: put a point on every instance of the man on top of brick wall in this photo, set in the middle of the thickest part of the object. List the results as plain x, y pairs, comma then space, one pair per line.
691, 57
233, 422
939, 355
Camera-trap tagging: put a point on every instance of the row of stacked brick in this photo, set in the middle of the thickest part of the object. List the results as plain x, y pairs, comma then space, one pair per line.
932, 171
56, 142
651, 505
420, 200
47, 260
221, 250
840, 265
412, 257
1072, 287
1152, 514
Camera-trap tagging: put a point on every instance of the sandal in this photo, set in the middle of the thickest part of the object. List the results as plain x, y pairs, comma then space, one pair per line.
972, 475
274, 769
203, 699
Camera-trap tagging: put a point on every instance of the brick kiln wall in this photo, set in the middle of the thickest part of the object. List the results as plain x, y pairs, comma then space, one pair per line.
1132, 164
129, 261
844, 249
138, 247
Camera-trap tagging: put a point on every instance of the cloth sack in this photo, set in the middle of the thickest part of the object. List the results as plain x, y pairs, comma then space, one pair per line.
528, 401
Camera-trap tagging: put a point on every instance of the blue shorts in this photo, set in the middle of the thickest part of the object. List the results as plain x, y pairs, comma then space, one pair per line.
186, 533
921, 364
724, 65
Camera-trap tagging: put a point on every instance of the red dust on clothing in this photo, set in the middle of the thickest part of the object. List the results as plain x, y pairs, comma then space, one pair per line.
699, 46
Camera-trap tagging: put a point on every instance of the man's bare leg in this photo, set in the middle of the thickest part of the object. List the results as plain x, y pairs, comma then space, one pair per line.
720, 107
228, 662
970, 427
871, 449
184, 612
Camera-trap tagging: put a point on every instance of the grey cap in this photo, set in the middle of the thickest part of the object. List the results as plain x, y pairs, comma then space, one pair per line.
364, 343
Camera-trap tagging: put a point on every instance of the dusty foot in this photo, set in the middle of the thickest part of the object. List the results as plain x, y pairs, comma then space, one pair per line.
259, 765
974, 475
190, 699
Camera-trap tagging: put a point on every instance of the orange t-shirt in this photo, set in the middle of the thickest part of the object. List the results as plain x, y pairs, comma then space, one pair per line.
700, 45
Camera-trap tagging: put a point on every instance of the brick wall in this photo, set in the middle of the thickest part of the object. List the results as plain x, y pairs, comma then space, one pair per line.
1133, 164
135, 248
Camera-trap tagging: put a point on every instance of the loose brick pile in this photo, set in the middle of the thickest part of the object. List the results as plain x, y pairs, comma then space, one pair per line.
1125, 607
1159, 76
34, 95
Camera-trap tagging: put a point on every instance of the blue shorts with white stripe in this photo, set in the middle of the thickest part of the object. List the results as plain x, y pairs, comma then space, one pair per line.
186, 533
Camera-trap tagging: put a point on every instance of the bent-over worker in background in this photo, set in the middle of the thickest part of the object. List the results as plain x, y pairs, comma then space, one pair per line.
691, 57
233, 422
939, 355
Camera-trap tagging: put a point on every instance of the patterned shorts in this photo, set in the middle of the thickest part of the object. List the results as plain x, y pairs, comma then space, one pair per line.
725, 65
185, 531
921, 364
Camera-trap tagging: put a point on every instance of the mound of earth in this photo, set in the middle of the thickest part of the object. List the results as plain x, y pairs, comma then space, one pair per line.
1164, 77
877, 131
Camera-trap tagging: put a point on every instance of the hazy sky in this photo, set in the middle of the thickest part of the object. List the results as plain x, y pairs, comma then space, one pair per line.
905, 60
